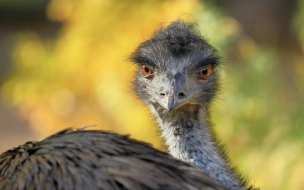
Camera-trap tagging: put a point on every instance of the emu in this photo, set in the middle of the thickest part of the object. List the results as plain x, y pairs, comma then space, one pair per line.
177, 78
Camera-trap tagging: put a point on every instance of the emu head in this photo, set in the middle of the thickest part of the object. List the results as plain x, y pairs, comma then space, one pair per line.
176, 68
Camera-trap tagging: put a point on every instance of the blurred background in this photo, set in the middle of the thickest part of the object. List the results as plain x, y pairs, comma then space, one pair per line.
63, 63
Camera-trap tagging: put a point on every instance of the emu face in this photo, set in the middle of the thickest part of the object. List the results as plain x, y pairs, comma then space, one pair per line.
176, 68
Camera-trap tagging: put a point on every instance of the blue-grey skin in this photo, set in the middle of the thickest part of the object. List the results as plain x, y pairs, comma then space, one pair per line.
179, 97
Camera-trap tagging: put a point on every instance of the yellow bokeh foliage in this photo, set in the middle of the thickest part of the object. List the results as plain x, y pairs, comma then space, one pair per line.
84, 76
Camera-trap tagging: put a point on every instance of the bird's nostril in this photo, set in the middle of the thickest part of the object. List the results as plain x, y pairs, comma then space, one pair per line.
162, 94
181, 95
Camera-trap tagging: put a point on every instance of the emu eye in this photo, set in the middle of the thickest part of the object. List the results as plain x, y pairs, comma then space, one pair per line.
146, 70
205, 71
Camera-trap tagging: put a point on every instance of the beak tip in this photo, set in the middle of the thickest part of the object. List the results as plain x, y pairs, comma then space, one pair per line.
170, 105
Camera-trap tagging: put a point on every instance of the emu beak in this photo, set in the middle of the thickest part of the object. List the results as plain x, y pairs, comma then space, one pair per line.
172, 93
171, 102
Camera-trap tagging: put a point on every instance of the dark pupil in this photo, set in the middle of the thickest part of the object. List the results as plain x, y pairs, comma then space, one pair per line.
147, 69
204, 71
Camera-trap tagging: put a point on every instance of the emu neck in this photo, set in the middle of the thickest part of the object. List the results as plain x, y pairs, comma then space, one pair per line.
188, 135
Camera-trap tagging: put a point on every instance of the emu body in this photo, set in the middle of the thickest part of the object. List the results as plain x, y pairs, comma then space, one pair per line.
96, 160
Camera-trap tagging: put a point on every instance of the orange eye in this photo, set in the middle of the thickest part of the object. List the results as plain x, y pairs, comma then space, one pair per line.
146, 70
205, 71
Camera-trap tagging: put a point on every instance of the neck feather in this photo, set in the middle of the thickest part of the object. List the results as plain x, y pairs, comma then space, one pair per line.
189, 137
